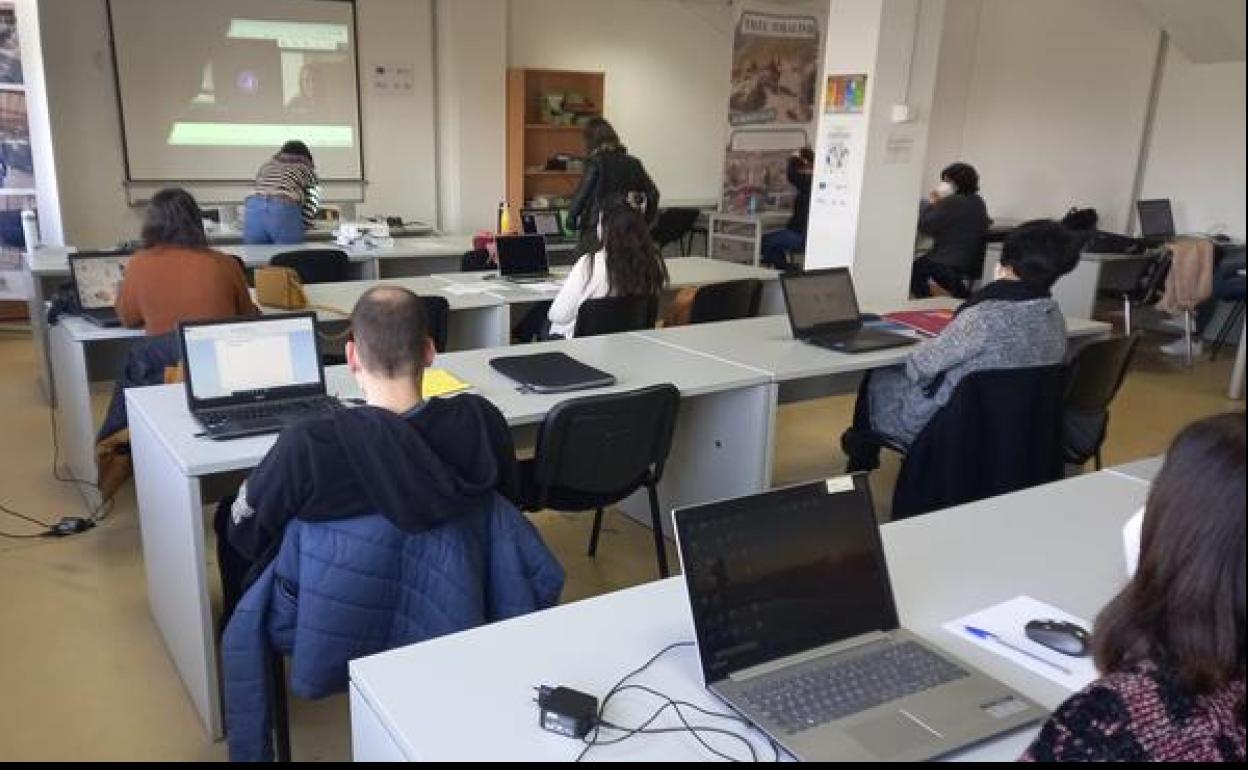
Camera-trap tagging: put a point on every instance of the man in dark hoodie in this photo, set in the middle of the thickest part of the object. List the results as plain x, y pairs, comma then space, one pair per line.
419, 463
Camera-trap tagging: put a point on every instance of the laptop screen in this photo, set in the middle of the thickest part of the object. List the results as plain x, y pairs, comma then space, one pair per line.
1156, 218
97, 278
541, 222
232, 362
522, 255
821, 298
783, 572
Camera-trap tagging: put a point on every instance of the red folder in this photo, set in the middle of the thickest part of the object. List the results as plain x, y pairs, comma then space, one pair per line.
929, 322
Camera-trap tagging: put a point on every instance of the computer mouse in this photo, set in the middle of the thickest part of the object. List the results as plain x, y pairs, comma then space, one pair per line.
1059, 636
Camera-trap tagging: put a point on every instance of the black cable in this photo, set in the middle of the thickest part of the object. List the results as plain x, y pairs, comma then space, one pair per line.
18, 514
644, 728
96, 513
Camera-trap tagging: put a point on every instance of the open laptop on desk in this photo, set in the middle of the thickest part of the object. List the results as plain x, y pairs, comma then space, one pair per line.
547, 223
253, 376
522, 259
97, 277
1156, 221
823, 311
797, 630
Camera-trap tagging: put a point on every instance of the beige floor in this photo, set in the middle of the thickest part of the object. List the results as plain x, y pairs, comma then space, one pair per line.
84, 674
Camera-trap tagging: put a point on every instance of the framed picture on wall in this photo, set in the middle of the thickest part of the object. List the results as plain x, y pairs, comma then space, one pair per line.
10, 50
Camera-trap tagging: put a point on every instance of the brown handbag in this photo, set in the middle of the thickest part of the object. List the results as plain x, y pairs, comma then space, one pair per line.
280, 287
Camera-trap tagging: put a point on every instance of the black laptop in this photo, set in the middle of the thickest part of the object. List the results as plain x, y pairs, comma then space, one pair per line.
522, 258
1156, 221
254, 376
823, 311
547, 223
97, 277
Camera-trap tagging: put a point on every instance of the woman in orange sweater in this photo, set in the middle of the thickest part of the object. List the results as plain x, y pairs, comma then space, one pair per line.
176, 276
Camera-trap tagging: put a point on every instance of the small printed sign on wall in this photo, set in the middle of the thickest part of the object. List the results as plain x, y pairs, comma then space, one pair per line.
394, 78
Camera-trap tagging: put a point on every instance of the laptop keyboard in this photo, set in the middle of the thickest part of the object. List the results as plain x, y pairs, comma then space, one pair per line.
828, 693
260, 414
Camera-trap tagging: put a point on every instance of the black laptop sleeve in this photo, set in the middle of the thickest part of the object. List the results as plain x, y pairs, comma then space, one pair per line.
551, 373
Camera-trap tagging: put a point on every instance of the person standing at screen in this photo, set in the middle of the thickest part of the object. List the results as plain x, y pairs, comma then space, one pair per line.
284, 199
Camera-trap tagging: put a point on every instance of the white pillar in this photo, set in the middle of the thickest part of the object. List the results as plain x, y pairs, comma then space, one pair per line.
471, 41
864, 214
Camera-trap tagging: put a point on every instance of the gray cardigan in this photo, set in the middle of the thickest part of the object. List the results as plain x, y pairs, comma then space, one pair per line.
991, 335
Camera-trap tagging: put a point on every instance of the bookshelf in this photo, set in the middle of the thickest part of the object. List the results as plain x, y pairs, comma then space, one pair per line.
533, 136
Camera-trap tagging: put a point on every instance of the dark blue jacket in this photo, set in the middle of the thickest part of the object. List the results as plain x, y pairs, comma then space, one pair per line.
340, 590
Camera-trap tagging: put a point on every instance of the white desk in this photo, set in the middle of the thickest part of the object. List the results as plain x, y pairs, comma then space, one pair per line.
1060, 543
722, 436
1075, 292
683, 272
1143, 471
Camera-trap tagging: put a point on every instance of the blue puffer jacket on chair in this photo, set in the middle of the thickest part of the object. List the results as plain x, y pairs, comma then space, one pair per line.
341, 590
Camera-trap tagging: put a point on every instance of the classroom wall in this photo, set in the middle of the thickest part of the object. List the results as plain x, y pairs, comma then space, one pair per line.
667, 65
1057, 101
398, 131
1196, 156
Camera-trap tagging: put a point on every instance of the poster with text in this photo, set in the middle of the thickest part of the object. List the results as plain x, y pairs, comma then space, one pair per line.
771, 108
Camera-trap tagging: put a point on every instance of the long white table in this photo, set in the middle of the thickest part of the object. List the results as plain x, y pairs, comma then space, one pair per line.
81, 354
1059, 543
1143, 471
721, 436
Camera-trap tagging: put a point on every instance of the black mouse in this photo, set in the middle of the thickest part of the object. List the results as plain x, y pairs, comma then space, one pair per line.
1059, 636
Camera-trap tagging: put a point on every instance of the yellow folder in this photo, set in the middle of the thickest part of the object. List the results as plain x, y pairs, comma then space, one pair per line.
439, 382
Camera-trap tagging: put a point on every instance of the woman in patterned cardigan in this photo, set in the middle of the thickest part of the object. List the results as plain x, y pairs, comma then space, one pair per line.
1171, 644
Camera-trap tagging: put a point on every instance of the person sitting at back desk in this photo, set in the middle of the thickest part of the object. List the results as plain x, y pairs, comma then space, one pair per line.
1170, 646
1012, 322
778, 244
175, 276
956, 220
419, 463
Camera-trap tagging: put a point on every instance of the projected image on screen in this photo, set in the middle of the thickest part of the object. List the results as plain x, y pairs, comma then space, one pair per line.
210, 90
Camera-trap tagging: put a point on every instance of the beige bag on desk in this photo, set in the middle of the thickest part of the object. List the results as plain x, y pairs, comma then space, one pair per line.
280, 287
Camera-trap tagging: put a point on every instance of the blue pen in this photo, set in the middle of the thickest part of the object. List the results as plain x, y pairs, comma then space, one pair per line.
980, 633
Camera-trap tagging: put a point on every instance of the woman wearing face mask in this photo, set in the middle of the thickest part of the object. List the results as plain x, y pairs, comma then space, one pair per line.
956, 220
1011, 323
627, 265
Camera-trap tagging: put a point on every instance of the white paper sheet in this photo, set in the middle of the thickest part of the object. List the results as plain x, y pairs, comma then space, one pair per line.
467, 288
1008, 621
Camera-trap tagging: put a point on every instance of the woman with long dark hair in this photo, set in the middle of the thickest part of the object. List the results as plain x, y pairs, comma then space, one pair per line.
627, 265
1170, 646
610, 172
176, 276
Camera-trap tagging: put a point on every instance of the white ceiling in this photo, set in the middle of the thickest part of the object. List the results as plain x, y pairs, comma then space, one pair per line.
1206, 31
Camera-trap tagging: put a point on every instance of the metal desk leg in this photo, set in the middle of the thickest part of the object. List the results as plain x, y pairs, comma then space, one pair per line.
1237, 374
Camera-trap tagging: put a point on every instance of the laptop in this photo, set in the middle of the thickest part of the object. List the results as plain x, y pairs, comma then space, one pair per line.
797, 630
97, 277
522, 258
1156, 220
544, 222
254, 376
823, 311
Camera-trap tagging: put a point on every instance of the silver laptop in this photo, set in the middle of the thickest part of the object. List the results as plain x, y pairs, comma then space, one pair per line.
97, 279
797, 630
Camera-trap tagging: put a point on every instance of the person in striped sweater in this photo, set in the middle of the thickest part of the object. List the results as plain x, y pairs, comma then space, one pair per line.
284, 199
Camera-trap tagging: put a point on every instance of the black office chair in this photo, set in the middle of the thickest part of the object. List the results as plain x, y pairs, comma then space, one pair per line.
675, 225
1092, 380
596, 451
726, 301
1229, 326
474, 261
248, 273
438, 315
316, 265
612, 315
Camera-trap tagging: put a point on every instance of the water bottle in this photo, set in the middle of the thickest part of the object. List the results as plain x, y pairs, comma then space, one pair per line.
30, 230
